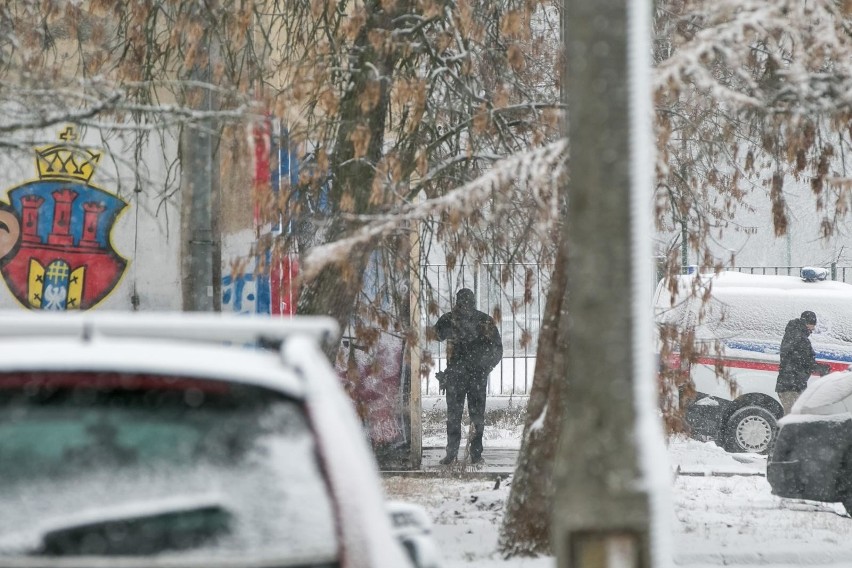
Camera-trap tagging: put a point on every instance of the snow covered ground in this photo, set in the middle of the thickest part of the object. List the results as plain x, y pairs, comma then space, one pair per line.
724, 513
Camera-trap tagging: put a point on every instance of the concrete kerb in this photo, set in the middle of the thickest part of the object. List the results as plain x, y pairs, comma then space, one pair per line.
496, 477
513, 407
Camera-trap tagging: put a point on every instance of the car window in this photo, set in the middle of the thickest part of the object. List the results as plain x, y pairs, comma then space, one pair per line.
105, 451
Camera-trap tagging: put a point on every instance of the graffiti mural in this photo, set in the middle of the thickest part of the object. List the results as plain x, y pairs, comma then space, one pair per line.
264, 282
55, 232
245, 293
267, 289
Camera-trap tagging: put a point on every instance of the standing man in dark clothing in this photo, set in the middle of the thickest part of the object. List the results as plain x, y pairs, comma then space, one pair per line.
798, 361
474, 349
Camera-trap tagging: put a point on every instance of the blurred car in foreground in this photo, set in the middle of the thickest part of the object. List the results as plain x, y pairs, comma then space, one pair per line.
185, 439
812, 454
413, 528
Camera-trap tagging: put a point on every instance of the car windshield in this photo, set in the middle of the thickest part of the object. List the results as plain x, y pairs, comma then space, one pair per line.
229, 467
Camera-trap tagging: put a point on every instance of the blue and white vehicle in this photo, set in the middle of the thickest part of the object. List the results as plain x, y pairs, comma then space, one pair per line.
738, 331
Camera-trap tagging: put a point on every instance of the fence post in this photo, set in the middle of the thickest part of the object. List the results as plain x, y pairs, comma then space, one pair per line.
834, 271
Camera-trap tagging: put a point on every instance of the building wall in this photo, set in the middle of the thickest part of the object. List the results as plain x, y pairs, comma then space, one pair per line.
144, 237
127, 262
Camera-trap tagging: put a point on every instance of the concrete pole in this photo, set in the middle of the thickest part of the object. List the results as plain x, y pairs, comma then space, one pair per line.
415, 402
199, 187
602, 509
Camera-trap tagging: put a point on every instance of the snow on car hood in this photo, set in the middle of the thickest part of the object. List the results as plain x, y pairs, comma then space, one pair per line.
825, 395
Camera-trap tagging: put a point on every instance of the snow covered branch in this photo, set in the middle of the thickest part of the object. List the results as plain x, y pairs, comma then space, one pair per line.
536, 171
768, 56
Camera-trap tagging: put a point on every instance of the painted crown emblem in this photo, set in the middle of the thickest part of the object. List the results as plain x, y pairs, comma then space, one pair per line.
66, 161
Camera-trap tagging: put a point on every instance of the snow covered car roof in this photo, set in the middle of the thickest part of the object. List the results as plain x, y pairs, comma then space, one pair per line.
749, 292
825, 395
211, 346
752, 307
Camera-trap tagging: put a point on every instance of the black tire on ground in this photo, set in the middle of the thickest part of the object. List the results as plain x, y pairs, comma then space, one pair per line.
750, 429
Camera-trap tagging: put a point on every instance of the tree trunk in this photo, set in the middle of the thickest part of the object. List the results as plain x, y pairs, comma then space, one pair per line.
526, 525
353, 166
333, 293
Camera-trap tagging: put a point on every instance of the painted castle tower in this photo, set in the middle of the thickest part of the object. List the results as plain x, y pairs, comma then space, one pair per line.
63, 258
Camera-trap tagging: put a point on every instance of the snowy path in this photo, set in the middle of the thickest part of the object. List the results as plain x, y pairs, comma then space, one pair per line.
720, 517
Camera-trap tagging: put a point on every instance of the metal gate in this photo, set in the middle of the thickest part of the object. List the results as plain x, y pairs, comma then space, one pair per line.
516, 292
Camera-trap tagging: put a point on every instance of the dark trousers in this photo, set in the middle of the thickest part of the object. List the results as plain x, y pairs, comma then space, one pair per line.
474, 387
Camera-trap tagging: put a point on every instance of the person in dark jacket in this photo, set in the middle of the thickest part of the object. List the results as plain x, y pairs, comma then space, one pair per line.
798, 361
474, 349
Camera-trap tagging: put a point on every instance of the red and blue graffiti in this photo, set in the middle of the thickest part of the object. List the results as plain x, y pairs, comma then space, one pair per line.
55, 234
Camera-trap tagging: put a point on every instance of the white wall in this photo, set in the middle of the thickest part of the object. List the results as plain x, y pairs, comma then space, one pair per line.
146, 232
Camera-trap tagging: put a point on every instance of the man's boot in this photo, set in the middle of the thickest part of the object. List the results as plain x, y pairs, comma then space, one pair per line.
448, 459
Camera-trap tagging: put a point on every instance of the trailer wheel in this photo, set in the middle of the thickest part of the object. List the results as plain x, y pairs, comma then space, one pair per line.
750, 429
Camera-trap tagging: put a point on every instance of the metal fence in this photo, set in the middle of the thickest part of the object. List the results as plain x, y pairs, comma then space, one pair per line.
516, 292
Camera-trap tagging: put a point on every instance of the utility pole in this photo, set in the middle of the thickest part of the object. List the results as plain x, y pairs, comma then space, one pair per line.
201, 270
415, 402
602, 516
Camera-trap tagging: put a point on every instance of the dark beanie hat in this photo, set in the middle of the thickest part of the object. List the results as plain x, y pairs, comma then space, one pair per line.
809, 317
465, 296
